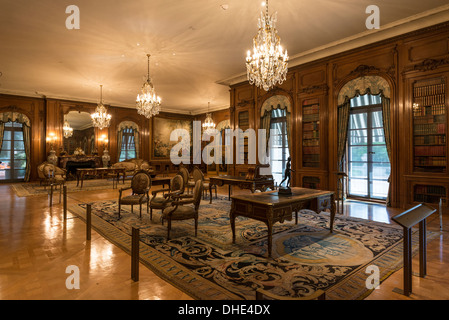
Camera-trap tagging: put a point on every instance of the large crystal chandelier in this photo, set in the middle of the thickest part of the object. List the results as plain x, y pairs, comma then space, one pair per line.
208, 124
148, 103
267, 66
67, 129
101, 118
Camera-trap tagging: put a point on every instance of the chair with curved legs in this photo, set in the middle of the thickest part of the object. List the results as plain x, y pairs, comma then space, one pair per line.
160, 202
140, 186
197, 174
185, 175
183, 209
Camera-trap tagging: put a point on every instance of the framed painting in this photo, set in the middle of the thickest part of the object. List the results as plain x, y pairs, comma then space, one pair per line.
162, 128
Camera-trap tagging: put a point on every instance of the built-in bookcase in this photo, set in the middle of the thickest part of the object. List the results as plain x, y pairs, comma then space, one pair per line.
430, 125
311, 133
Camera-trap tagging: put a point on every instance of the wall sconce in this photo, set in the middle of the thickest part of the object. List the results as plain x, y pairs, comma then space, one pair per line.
51, 138
103, 139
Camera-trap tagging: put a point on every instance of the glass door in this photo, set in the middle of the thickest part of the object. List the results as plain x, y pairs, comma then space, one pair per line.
368, 165
12, 153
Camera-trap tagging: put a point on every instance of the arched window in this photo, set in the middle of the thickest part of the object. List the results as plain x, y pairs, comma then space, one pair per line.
128, 140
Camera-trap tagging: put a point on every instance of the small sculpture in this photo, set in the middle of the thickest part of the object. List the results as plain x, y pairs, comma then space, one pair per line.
287, 176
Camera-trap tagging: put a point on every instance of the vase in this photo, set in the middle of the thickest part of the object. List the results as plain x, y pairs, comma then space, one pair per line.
106, 157
52, 158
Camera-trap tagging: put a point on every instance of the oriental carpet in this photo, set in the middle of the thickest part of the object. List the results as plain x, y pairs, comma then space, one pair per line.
306, 256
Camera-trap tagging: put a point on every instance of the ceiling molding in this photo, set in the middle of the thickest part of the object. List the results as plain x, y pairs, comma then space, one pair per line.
413, 23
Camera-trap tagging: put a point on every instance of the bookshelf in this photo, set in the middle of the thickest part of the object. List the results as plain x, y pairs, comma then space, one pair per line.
311, 133
429, 125
311, 182
243, 124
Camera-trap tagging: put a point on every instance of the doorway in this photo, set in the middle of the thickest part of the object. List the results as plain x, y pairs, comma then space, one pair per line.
13, 158
368, 164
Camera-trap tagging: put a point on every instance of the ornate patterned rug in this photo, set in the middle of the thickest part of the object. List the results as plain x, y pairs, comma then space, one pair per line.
35, 189
306, 256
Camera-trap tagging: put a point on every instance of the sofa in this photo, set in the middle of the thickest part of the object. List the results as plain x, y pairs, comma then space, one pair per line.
133, 165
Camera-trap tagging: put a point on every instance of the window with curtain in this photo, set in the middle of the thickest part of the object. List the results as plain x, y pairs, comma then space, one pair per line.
128, 146
12, 153
279, 152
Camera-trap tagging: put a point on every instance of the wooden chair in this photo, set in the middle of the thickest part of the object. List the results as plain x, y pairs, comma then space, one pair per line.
180, 209
196, 175
185, 175
140, 186
53, 180
265, 295
161, 202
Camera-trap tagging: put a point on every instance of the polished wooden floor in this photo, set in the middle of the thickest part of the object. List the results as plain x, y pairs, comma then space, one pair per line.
36, 247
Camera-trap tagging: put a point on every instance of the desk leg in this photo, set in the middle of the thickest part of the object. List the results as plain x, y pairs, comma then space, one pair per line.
229, 193
82, 180
333, 210
210, 192
77, 179
232, 220
270, 237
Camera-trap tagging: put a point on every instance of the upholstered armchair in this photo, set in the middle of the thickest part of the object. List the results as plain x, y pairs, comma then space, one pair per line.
162, 198
140, 187
183, 209
58, 174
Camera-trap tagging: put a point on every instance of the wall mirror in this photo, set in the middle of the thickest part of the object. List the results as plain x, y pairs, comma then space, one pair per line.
83, 134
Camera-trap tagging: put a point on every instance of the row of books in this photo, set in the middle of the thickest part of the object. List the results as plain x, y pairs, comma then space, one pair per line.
430, 151
430, 140
429, 119
310, 142
311, 117
429, 90
311, 126
311, 158
430, 161
430, 100
426, 198
311, 150
434, 128
429, 110
426, 189
310, 134
311, 109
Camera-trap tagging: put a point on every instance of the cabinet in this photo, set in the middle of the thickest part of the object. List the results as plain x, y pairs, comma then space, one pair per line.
311, 133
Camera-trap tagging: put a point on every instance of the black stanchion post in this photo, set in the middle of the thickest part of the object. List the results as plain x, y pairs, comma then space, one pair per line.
64, 199
135, 254
88, 221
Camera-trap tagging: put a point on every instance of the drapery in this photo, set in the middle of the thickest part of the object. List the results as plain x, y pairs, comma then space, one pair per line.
26, 128
27, 142
386, 116
342, 133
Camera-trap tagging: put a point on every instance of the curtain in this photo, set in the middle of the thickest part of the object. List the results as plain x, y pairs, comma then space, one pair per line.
2, 130
342, 131
119, 143
27, 142
386, 116
136, 142
265, 123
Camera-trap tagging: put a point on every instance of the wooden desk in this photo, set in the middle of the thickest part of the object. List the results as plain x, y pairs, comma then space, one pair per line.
270, 208
261, 184
98, 172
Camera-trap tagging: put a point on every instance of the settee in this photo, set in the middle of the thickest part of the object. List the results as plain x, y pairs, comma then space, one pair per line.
132, 166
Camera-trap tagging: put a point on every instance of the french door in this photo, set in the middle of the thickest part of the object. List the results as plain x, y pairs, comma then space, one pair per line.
368, 165
12, 153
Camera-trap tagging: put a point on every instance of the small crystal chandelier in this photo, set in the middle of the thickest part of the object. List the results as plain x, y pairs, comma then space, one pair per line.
267, 66
148, 103
208, 124
67, 129
101, 117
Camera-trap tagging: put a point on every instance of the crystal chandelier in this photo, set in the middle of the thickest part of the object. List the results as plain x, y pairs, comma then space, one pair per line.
148, 103
67, 129
267, 66
208, 124
101, 117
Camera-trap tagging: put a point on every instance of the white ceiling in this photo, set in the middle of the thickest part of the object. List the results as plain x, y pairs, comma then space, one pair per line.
194, 44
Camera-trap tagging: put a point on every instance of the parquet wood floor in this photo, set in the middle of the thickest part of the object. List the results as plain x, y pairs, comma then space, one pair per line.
36, 247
